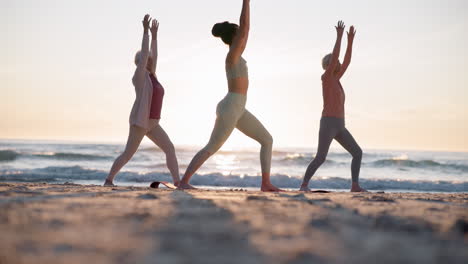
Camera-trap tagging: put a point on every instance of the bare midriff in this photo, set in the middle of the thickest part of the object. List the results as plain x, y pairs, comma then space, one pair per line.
238, 85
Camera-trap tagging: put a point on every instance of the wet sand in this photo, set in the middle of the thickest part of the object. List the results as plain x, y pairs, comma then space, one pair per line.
46, 223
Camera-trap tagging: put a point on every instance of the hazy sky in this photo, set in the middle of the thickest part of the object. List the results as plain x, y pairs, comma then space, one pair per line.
66, 68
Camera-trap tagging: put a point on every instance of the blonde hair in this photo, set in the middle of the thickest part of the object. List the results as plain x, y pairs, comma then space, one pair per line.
138, 57
326, 61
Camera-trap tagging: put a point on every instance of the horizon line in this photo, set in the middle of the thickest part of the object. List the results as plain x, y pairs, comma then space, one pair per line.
112, 142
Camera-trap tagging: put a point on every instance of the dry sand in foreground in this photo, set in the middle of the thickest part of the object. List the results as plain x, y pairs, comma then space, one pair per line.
45, 223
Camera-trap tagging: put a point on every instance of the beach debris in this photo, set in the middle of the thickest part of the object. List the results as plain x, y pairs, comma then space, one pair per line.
320, 191
435, 200
299, 196
321, 200
71, 184
238, 190
379, 198
148, 196
460, 226
257, 198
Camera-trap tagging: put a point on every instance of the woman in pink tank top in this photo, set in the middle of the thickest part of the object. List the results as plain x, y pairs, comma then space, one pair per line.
146, 111
332, 124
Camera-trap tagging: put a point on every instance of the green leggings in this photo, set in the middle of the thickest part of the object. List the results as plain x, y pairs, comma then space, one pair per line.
231, 113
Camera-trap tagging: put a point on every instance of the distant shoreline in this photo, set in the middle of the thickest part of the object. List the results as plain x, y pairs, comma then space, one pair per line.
197, 147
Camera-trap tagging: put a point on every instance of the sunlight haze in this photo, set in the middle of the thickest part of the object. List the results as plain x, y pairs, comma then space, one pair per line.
66, 68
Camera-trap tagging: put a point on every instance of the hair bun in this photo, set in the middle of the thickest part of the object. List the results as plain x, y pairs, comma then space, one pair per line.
219, 29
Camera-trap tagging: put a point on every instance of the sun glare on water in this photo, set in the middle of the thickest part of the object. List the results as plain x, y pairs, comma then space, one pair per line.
401, 157
226, 163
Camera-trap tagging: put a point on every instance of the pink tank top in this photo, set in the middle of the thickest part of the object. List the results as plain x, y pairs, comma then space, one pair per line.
157, 99
333, 97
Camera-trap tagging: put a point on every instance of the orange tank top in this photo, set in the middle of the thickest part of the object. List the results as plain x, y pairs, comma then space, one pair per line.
333, 97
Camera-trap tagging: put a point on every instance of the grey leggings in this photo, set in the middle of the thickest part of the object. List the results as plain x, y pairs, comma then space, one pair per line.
334, 128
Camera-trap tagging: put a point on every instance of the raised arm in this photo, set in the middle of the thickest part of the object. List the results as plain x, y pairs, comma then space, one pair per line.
349, 52
141, 66
154, 45
240, 40
336, 50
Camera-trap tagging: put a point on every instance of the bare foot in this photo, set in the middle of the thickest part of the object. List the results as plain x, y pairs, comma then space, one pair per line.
356, 188
268, 187
305, 189
185, 186
108, 183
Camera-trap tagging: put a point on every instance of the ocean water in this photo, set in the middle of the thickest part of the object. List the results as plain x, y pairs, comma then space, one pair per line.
417, 171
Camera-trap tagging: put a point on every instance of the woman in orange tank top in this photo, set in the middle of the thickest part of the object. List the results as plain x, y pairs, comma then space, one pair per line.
332, 124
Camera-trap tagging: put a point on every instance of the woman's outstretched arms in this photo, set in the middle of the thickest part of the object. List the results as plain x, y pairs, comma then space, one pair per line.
349, 52
141, 66
336, 50
154, 44
240, 40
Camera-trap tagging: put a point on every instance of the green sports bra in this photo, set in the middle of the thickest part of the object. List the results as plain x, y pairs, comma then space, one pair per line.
237, 70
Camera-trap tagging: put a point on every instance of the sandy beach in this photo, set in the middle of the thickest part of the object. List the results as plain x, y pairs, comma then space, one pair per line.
47, 223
